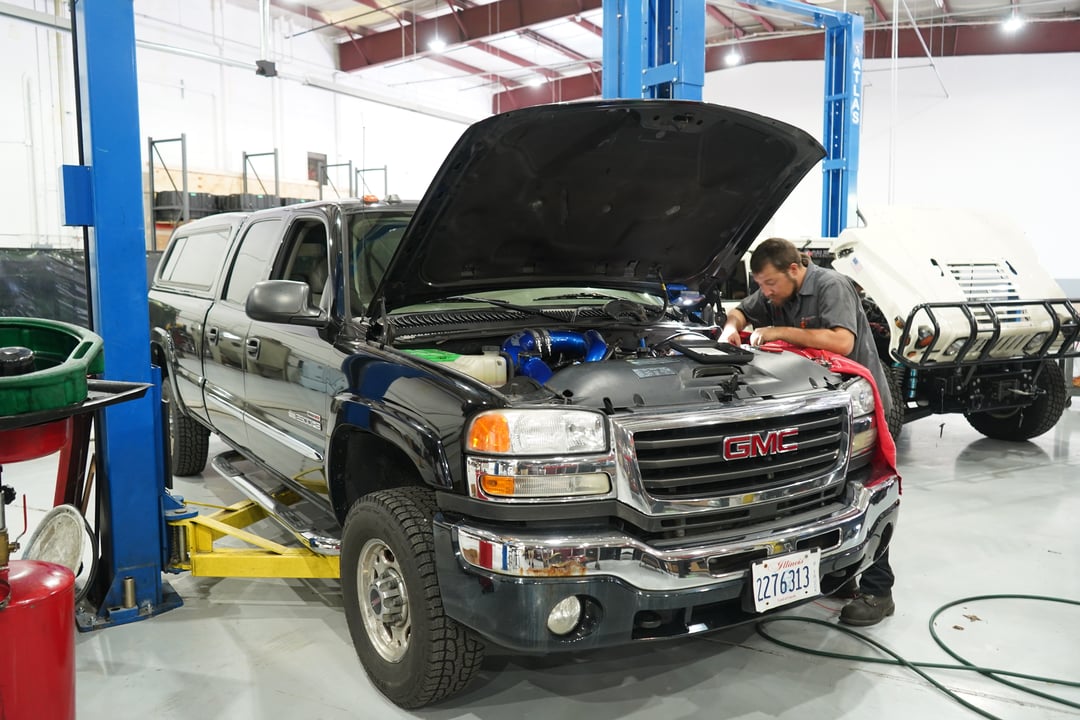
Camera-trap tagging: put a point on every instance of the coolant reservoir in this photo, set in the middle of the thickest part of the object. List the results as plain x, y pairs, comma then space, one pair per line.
489, 368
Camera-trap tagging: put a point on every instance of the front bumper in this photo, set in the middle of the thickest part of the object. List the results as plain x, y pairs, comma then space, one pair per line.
503, 585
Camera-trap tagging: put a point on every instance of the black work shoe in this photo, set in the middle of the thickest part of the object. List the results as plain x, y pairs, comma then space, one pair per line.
848, 591
867, 610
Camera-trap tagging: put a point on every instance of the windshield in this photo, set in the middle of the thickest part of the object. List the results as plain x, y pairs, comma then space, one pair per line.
373, 239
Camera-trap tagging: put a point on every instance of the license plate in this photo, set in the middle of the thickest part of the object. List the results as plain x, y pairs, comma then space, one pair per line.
786, 578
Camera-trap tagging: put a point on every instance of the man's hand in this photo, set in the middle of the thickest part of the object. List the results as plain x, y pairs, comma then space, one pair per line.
765, 334
736, 321
730, 334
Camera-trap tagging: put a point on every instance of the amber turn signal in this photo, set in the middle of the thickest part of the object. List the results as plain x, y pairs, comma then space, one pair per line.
489, 433
497, 485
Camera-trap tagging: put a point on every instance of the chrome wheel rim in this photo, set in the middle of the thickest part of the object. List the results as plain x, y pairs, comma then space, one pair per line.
384, 602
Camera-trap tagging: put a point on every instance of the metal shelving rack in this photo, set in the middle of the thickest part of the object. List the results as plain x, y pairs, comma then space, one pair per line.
247, 164
183, 208
361, 183
324, 178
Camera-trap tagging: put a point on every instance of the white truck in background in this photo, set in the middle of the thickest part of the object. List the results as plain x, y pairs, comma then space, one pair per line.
964, 316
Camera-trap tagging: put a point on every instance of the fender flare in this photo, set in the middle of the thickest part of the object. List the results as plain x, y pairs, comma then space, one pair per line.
419, 442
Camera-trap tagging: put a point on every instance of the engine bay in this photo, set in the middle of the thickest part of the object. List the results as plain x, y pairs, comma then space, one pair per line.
620, 367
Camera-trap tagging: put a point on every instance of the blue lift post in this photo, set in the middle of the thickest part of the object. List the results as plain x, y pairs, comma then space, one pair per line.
843, 108
659, 52
130, 453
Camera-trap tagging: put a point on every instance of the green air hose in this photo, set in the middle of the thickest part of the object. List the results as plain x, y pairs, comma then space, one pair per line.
916, 667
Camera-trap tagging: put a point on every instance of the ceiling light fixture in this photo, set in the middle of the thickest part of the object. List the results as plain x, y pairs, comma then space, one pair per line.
437, 45
732, 58
536, 81
1014, 23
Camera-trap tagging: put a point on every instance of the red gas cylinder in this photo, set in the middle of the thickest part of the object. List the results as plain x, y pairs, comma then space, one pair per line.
37, 642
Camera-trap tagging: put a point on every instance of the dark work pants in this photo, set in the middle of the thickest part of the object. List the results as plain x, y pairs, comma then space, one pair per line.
878, 578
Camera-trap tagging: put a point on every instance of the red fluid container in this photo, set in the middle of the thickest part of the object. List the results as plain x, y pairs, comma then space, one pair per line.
37, 643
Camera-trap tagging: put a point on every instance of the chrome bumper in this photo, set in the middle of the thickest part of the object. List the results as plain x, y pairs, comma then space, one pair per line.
640, 565
633, 591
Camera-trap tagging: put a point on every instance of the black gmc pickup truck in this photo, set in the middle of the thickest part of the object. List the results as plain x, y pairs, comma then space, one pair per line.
508, 399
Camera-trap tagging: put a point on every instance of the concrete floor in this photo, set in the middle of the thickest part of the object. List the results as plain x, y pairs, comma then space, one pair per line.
979, 517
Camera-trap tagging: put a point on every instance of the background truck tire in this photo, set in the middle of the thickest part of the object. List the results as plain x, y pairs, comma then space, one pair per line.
414, 654
1024, 423
895, 417
189, 442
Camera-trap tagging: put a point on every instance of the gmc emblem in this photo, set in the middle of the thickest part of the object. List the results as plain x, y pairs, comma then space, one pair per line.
774, 442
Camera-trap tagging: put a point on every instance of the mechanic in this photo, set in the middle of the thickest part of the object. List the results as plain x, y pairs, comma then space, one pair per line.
814, 307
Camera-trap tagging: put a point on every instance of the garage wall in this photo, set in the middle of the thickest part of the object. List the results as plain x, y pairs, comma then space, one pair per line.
223, 110
226, 110
1004, 140
33, 140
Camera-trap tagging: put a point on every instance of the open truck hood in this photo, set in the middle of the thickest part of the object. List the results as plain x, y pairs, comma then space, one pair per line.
616, 193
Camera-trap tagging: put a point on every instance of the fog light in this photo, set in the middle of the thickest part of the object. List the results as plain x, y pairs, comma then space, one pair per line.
954, 347
1035, 343
565, 616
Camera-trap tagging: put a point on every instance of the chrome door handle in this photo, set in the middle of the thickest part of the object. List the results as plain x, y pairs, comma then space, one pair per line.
252, 347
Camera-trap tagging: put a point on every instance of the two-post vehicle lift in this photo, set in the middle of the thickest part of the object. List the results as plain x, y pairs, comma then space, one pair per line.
652, 48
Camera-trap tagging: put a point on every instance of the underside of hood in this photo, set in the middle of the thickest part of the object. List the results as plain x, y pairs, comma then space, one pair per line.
616, 193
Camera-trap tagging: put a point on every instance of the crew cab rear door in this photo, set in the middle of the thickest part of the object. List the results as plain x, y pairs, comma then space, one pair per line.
185, 285
226, 330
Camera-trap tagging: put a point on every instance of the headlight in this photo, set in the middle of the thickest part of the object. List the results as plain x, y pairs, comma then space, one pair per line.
1035, 343
862, 396
536, 432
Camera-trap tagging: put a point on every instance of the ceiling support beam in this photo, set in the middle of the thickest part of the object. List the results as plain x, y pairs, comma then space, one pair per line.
475, 23
959, 40
882, 16
511, 57
720, 16
762, 20
301, 10
407, 19
591, 27
561, 90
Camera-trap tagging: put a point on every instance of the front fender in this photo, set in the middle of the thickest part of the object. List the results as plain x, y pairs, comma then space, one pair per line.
418, 411
417, 441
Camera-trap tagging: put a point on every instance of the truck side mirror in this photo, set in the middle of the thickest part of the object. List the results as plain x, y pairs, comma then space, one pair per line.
283, 301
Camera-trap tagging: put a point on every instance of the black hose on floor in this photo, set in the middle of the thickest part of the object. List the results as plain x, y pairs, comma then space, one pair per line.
917, 667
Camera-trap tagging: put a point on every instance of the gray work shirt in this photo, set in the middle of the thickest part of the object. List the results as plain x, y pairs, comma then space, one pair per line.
826, 300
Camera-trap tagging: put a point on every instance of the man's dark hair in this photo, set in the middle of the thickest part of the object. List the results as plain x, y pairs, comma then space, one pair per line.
777, 252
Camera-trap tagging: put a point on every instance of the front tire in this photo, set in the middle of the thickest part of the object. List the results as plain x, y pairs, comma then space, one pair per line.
414, 654
189, 442
895, 417
1024, 423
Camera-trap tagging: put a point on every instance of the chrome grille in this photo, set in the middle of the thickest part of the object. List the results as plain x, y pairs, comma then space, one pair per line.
689, 461
987, 283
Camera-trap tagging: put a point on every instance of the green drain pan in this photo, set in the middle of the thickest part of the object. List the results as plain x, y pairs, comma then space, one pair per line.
64, 355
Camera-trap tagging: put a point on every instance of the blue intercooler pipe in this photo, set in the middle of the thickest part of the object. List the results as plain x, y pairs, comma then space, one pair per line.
529, 349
